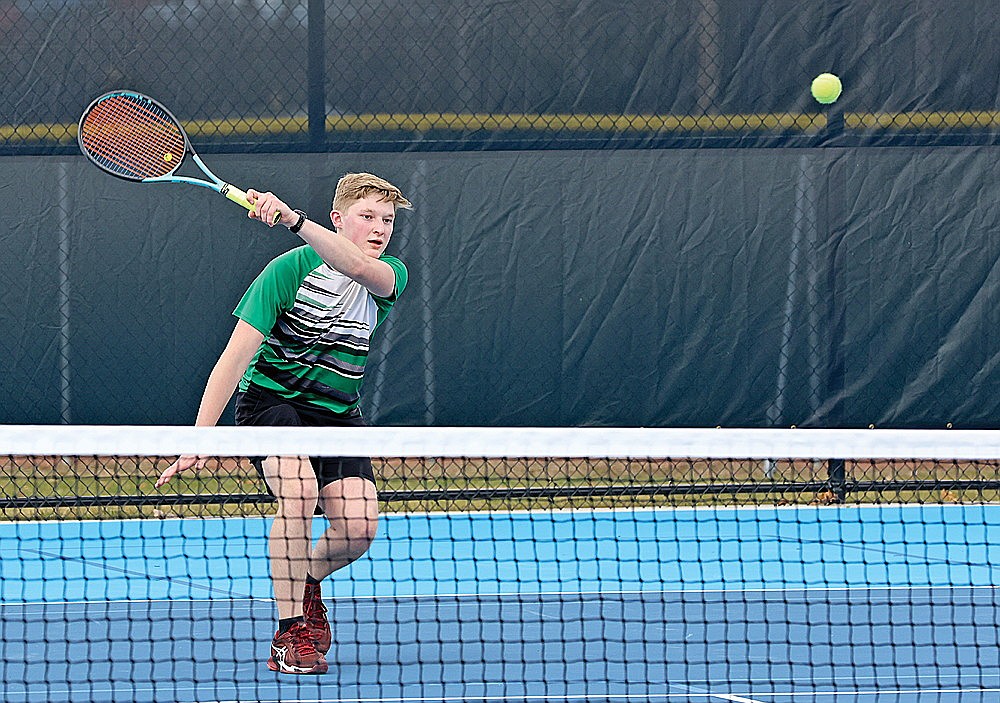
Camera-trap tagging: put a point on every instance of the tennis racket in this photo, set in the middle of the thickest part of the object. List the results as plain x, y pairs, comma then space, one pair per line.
131, 136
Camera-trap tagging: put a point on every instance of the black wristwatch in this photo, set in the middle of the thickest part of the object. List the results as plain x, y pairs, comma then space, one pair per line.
294, 229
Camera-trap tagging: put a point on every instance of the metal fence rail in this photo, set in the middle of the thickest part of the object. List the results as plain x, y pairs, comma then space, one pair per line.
316, 75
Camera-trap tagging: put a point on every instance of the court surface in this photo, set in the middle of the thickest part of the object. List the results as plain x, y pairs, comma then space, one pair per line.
872, 604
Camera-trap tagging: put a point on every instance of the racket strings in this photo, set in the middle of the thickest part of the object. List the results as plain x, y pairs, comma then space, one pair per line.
132, 137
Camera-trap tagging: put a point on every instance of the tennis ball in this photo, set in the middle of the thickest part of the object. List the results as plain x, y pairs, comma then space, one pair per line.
826, 88
168, 156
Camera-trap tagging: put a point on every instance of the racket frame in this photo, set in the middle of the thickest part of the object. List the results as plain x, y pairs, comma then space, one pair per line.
233, 193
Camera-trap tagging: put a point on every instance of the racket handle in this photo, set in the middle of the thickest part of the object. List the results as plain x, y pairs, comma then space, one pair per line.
240, 198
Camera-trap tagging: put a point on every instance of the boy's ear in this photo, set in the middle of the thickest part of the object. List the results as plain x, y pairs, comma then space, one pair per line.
336, 219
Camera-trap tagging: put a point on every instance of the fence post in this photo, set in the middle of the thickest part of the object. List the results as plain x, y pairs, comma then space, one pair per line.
317, 74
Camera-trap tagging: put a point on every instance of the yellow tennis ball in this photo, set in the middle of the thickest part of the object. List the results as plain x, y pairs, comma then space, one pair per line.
826, 88
168, 156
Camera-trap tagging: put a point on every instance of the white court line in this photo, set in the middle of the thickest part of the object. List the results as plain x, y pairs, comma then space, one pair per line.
472, 699
584, 697
629, 697
529, 594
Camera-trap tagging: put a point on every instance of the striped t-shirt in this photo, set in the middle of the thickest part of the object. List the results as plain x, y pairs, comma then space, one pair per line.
317, 324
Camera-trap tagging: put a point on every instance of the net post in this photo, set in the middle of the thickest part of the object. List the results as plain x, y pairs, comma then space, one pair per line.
837, 478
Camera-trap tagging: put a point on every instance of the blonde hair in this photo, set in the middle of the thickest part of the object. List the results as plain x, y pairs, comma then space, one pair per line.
358, 186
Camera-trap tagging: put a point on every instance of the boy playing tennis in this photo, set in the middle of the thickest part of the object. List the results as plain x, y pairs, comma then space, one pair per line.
298, 355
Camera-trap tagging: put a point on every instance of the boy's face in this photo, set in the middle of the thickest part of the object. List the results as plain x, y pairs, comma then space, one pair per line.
368, 223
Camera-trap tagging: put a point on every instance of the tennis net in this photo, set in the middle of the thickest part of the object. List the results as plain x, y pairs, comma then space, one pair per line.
511, 564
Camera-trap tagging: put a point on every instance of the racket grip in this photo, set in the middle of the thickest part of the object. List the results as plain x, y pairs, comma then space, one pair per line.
240, 198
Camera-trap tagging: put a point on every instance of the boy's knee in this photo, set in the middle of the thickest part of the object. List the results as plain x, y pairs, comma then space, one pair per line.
360, 534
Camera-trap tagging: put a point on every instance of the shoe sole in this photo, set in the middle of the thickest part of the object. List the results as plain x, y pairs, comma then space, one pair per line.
320, 667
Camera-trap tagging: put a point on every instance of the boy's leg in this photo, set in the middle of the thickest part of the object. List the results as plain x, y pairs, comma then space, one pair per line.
351, 507
293, 482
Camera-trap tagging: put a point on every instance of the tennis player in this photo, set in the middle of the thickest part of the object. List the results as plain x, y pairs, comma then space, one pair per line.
298, 356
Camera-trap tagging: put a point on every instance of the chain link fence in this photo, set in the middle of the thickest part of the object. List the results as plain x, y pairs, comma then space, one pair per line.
403, 74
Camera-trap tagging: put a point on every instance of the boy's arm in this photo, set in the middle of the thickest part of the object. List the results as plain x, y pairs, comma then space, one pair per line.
338, 252
232, 363
228, 371
343, 255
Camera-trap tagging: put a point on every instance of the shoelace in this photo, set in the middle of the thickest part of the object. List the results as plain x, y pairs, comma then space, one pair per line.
316, 621
300, 643
313, 609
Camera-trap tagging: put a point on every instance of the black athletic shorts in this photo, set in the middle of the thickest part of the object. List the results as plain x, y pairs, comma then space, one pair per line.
258, 407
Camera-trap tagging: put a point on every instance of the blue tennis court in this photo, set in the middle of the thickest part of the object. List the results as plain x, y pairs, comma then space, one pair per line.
756, 604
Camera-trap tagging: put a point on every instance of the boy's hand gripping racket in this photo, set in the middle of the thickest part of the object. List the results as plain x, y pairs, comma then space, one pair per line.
131, 136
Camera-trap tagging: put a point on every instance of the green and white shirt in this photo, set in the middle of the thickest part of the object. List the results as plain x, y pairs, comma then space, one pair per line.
317, 324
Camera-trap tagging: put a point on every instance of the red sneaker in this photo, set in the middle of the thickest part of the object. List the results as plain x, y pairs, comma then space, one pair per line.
293, 652
315, 620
